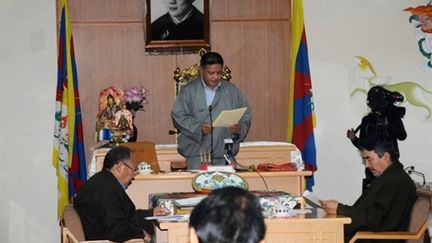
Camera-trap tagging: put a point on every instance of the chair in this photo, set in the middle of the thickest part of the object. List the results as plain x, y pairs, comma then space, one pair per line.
72, 230
416, 230
144, 151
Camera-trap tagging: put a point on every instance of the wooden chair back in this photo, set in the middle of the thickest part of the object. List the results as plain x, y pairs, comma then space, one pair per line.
144, 151
416, 230
72, 229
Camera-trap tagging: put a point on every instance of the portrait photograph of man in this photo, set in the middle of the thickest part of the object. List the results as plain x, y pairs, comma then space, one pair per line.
177, 19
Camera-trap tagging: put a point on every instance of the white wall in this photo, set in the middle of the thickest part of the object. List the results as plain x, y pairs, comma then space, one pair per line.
28, 191
338, 30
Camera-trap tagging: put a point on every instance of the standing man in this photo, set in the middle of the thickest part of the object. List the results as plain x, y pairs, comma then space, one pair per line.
202, 97
105, 210
383, 122
183, 21
386, 204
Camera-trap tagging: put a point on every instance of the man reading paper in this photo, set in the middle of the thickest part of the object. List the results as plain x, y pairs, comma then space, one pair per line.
198, 104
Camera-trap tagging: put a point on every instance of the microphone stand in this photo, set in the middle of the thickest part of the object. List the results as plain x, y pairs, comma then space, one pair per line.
411, 171
210, 108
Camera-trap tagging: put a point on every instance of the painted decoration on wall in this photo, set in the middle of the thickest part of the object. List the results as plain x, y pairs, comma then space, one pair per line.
421, 18
109, 102
117, 109
414, 93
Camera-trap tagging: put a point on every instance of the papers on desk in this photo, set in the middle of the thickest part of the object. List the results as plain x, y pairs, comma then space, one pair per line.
311, 199
286, 213
229, 117
169, 218
188, 202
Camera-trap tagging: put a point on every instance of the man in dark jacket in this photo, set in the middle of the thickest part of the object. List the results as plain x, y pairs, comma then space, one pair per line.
386, 204
383, 121
105, 210
183, 21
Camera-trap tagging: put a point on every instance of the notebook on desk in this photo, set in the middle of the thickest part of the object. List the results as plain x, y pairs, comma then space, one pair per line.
311, 199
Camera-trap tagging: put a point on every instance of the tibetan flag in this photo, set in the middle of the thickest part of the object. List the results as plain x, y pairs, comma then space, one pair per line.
301, 118
68, 151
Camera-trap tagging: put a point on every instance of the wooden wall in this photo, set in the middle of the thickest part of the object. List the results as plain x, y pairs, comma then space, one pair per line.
252, 36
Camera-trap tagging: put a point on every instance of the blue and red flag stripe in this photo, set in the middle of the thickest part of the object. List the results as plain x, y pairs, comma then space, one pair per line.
68, 151
301, 120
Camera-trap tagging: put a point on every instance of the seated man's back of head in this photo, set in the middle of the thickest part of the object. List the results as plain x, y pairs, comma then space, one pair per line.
227, 215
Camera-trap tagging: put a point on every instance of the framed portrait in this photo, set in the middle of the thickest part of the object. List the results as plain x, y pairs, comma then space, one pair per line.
171, 24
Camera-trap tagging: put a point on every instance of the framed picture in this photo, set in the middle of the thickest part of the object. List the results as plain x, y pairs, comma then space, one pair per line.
177, 24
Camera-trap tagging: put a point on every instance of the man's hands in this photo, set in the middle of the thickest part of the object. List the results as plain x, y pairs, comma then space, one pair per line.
235, 128
147, 237
351, 134
206, 128
159, 211
329, 206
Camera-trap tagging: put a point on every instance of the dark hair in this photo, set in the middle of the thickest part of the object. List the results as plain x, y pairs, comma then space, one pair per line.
379, 145
210, 58
228, 215
115, 155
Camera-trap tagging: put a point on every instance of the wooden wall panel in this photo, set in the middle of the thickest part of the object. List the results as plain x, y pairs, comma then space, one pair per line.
258, 54
252, 36
223, 10
105, 10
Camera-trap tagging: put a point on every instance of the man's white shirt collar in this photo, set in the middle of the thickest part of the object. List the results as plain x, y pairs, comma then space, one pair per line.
178, 21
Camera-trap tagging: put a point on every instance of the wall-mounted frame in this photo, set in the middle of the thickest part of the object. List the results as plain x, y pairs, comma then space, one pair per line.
161, 31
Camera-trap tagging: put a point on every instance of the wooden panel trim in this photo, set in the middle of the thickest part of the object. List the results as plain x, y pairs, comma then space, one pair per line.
251, 20
96, 22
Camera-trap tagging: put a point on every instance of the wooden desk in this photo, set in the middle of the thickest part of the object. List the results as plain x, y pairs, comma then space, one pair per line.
250, 153
315, 227
288, 181
424, 192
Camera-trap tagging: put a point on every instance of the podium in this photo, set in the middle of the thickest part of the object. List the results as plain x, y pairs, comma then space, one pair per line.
250, 153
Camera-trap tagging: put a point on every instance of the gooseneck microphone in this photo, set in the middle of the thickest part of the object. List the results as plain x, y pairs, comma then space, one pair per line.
172, 132
210, 108
411, 171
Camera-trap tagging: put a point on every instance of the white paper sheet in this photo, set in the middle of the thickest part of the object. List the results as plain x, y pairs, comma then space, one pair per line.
192, 201
311, 199
229, 117
169, 218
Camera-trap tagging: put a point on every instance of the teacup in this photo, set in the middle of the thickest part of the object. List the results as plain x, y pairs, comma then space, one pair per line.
144, 168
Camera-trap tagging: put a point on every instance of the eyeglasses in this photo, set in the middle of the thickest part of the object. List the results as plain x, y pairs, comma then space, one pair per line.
130, 167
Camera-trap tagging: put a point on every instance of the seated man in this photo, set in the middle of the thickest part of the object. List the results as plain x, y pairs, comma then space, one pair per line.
227, 215
386, 204
106, 211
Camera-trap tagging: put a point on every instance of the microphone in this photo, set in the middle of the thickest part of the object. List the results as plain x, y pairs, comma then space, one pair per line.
411, 171
172, 132
229, 156
210, 108
236, 136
